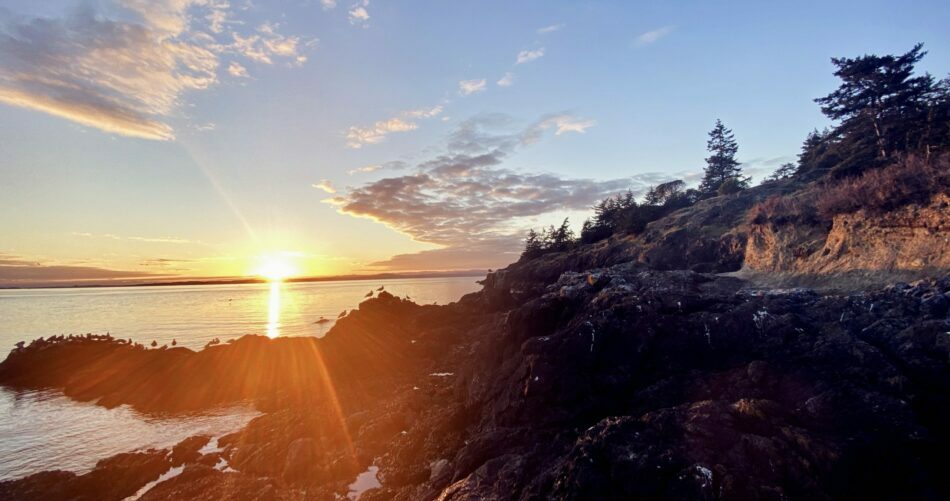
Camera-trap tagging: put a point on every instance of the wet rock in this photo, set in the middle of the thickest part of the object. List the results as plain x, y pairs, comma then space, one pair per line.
302, 457
186, 451
203, 483
114, 478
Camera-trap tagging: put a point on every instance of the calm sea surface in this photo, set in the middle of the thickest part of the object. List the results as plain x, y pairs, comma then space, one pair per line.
195, 314
45, 430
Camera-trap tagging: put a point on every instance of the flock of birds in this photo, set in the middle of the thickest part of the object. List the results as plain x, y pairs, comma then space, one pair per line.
154, 344
371, 293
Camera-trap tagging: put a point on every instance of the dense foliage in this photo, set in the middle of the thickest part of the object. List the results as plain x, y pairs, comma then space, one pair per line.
883, 112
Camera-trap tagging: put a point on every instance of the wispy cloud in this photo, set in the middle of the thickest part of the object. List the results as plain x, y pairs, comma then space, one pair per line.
267, 44
123, 66
19, 271
463, 199
550, 29
357, 137
390, 165
424, 112
161, 240
328, 4
652, 36
526, 56
507, 80
235, 69
324, 185
205, 127
566, 123
468, 87
166, 264
137, 238
366, 169
358, 14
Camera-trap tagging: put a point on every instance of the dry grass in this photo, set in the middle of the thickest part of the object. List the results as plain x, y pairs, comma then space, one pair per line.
885, 189
876, 191
784, 209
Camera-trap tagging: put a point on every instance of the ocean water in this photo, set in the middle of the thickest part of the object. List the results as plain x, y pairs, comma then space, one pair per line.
43, 430
195, 314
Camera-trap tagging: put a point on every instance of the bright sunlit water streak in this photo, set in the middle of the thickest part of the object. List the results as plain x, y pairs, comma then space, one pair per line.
273, 310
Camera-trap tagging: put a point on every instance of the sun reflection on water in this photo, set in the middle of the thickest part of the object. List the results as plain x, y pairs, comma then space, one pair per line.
273, 310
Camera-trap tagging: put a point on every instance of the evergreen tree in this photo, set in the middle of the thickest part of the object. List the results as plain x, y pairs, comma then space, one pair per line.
626, 201
934, 133
562, 237
721, 165
604, 213
665, 194
651, 197
820, 153
877, 99
532, 245
784, 171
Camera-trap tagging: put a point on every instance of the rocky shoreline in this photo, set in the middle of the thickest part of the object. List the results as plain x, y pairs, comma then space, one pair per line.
617, 382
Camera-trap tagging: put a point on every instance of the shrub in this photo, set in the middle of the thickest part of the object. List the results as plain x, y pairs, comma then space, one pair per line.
780, 209
910, 181
731, 186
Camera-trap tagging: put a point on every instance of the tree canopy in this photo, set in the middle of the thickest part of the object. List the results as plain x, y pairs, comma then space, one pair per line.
883, 111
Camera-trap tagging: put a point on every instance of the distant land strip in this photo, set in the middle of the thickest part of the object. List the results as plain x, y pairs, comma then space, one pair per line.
247, 280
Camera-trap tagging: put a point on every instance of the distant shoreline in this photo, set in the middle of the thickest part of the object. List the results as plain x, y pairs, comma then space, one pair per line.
255, 280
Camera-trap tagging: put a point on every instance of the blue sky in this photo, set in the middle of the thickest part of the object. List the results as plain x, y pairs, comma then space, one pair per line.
187, 136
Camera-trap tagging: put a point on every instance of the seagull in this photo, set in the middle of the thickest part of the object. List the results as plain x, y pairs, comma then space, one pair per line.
342, 313
380, 287
369, 294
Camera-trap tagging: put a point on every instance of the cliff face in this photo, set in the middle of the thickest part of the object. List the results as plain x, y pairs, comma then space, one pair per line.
913, 239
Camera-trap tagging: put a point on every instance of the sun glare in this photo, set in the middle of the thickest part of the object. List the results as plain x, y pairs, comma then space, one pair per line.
276, 267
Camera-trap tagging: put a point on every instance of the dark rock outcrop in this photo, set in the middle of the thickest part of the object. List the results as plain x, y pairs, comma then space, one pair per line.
613, 382
624, 384
114, 478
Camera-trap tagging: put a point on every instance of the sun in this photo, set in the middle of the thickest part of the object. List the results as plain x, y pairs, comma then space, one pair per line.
276, 267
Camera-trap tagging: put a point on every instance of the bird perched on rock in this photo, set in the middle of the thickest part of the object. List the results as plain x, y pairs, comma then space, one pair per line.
342, 313
380, 287
369, 294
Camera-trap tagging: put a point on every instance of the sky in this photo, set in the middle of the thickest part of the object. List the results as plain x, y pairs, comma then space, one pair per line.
207, 138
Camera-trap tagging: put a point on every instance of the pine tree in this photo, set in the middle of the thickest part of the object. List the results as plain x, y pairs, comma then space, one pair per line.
877, 99
532, 245
562, 236
784, 171
626, 201
721, 165
665, 194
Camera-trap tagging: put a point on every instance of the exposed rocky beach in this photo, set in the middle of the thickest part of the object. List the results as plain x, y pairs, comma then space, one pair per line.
615, 382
